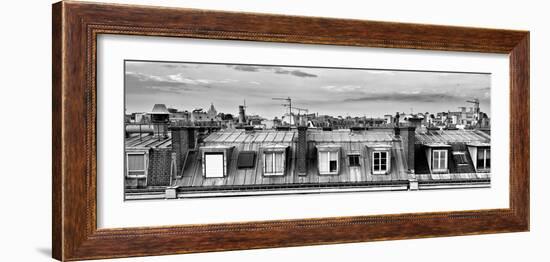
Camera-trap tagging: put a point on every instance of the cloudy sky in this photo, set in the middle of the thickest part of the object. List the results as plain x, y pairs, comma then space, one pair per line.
332, 91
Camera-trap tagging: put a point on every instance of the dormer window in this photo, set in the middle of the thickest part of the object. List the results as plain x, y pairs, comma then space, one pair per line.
328, 162
380, 162
273, 163
274, 158
214, 164
137, 164
380, 159
437, 155
439, 160
483, 158
215, 160
481, 154
328, 159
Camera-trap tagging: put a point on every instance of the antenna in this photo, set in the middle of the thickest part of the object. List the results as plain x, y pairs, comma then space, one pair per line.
289, 104
474, 101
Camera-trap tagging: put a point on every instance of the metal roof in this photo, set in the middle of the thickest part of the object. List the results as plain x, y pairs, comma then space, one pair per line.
437, 145
242, 136
276, 136
451, 136
338, 136
350, 142
192, 173
146, 141
479, 144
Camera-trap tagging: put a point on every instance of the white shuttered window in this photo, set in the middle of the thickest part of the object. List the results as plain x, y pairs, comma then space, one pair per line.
274, 163
439, 160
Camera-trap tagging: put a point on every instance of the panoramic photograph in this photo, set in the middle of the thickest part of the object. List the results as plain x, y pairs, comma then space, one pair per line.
198, 129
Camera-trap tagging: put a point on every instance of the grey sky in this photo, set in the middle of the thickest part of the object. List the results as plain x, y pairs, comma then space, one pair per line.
332, 91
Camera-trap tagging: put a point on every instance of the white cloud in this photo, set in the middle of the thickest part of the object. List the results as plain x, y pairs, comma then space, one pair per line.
341, 88
182, 78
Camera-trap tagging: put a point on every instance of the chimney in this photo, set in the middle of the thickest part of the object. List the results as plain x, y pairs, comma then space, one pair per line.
415, 121
396, 131
183, 139
242, 116
407, 135
396, 119
301, 151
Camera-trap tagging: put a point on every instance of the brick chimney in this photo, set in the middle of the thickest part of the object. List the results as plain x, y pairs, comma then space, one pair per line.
407, 135
301, 151
183, 139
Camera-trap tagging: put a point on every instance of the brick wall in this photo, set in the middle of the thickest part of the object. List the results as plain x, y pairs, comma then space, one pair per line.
159, 167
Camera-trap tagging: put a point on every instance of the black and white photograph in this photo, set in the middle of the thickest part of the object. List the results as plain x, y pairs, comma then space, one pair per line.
273, 131
200, 129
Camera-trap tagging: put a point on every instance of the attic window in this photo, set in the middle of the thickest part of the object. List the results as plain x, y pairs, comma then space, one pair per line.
380, 162
274, 163
439, 160
246, 159
214, 165
483, 158
328, 162
136, 165
460, 158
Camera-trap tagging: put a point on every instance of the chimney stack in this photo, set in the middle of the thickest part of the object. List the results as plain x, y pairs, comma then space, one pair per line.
407, 135
301, 151
183, 139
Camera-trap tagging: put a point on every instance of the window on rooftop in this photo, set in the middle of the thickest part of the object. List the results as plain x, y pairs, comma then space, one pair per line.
354, 160
246, 159
328, 162
380, 162
460, 158
483, 158
213, 165
137, 165
439, 160
273, 163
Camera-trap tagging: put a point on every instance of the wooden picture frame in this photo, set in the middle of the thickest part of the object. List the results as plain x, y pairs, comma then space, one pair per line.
76, 26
